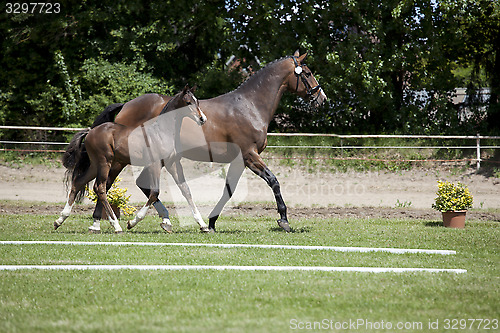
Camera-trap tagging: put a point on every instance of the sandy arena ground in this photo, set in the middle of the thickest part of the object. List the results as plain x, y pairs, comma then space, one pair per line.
357, 194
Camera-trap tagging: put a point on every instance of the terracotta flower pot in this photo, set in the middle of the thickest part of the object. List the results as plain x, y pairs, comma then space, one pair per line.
116, 210
454, 219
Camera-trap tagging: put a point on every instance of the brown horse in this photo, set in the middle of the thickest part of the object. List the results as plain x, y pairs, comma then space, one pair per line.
237, 124
111, 146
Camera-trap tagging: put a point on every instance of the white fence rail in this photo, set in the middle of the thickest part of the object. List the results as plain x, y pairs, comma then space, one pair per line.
476, 138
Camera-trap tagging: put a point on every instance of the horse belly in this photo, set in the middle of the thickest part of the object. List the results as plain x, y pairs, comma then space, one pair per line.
197, 146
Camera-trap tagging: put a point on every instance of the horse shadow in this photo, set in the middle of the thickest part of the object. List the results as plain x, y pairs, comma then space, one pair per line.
434, 224
292, 230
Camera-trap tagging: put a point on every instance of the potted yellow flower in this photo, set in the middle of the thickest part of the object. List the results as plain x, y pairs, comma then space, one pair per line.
453, 201
117, 198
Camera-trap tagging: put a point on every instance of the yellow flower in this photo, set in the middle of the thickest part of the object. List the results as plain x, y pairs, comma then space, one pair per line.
452, 197
116, 197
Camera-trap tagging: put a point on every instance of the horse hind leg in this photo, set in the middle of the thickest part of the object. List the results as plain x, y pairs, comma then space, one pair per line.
65, 213
77, 186
95, 228
139, 216
255, 163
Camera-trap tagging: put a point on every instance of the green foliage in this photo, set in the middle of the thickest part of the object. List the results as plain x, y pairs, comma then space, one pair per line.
105, 83
216, 80
387, 67
62, 69
452, 197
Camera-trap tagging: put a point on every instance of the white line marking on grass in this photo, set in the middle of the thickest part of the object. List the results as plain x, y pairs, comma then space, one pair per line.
261, 246
223, 268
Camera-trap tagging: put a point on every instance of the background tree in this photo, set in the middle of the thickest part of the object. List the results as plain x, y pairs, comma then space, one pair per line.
387, 67
475, 44
62, 69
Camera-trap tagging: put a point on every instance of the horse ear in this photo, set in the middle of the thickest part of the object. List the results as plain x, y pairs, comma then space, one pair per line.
297, 53
194, 88
302, 57
186, 88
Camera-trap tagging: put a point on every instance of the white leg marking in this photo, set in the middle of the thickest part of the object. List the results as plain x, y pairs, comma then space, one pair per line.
198, 218
141, 214
67, 209
96, 227
114, 223
64, 215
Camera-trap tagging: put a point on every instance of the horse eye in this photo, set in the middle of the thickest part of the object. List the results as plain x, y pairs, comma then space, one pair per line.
308, 74
189, 103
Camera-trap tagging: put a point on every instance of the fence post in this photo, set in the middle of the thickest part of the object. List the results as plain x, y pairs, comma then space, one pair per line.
478, 152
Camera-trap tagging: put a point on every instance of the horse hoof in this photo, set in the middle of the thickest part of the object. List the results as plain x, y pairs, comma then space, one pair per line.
118, 232
94, 231
56, 225
207, 230
129, 226
284, 225
166, 227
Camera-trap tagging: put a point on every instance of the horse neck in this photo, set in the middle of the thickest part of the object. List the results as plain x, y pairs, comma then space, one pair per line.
264, 89
177, 116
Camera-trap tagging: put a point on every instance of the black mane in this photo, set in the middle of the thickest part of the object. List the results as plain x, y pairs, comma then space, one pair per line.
108, 115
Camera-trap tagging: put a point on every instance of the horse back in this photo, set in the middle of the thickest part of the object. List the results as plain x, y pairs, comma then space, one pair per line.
141, 109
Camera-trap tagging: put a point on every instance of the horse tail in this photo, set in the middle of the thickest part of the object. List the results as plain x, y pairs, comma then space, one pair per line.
76, 160
108, 115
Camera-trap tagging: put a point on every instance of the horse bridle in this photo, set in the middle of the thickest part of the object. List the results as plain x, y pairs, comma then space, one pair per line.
310, 91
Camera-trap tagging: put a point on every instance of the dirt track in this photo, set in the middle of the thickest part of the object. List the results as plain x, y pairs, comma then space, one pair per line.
40, 189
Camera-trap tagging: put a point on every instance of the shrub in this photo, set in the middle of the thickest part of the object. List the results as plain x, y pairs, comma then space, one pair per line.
452, 197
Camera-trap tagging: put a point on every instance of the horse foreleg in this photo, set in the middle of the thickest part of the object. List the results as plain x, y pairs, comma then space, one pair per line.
139, 216
162, 212
95, 228
233, 176
149, 183
255, 163
115, 170
175, 169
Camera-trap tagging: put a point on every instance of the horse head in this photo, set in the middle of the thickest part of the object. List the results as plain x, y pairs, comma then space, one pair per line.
194, 105
186, 98
303, 83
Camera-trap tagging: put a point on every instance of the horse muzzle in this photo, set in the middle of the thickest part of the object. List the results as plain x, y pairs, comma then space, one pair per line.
203, 119
317, 96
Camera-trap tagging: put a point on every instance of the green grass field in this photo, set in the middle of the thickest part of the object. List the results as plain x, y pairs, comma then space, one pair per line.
249, 301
